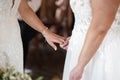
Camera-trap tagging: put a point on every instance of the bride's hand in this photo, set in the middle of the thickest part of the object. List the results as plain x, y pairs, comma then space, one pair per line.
65, 44
53, 38
76, 73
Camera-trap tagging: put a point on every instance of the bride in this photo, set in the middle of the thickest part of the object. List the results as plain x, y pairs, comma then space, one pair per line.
11, 50
94, 47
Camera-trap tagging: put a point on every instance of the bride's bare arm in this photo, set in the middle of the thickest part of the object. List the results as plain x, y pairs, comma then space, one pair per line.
30, 18
104, 12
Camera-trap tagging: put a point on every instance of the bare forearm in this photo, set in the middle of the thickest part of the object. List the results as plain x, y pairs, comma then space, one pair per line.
104, 12
103, 16
91, 45
31, 19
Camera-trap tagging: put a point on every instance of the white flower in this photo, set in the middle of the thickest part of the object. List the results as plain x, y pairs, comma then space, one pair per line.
11, 74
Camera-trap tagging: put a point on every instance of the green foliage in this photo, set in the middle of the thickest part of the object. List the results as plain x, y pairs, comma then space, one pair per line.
40, 78
11, 74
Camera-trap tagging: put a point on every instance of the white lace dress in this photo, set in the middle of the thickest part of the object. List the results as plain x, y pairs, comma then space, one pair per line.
105, 65
11, 52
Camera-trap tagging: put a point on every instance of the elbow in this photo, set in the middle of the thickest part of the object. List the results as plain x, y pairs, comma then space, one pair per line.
23, 9
100, 29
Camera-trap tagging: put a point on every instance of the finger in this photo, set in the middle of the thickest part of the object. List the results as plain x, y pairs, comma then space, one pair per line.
62, 47
65, 44
62, 40
68, 38
65, 48
59, 40
52, 45
71, 77
61, 37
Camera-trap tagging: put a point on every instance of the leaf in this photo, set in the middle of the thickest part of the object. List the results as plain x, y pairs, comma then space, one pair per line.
40, 78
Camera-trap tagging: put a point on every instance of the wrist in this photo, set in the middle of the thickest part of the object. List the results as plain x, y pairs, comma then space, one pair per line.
43, 32
81, 64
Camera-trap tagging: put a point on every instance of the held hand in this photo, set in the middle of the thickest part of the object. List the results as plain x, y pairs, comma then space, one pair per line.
65, 44
76, 73
52, 38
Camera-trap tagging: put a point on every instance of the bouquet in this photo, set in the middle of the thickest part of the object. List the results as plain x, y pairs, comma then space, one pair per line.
11, 74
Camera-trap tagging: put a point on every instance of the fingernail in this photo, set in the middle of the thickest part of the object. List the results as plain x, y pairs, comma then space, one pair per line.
55, 49
61, 45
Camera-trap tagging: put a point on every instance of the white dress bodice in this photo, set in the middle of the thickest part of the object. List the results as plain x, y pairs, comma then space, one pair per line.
11, 52
82, 11
9, 6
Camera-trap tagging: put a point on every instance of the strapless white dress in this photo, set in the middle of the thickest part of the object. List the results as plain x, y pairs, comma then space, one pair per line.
11, 52
105, 65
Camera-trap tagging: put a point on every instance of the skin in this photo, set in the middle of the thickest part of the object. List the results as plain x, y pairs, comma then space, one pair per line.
30, 18
65, 44
104, 12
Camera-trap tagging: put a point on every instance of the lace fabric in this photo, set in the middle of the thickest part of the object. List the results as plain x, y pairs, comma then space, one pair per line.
105, 63
11, 52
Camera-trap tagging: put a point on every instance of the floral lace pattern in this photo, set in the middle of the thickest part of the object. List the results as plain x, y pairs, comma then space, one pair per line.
11, 52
